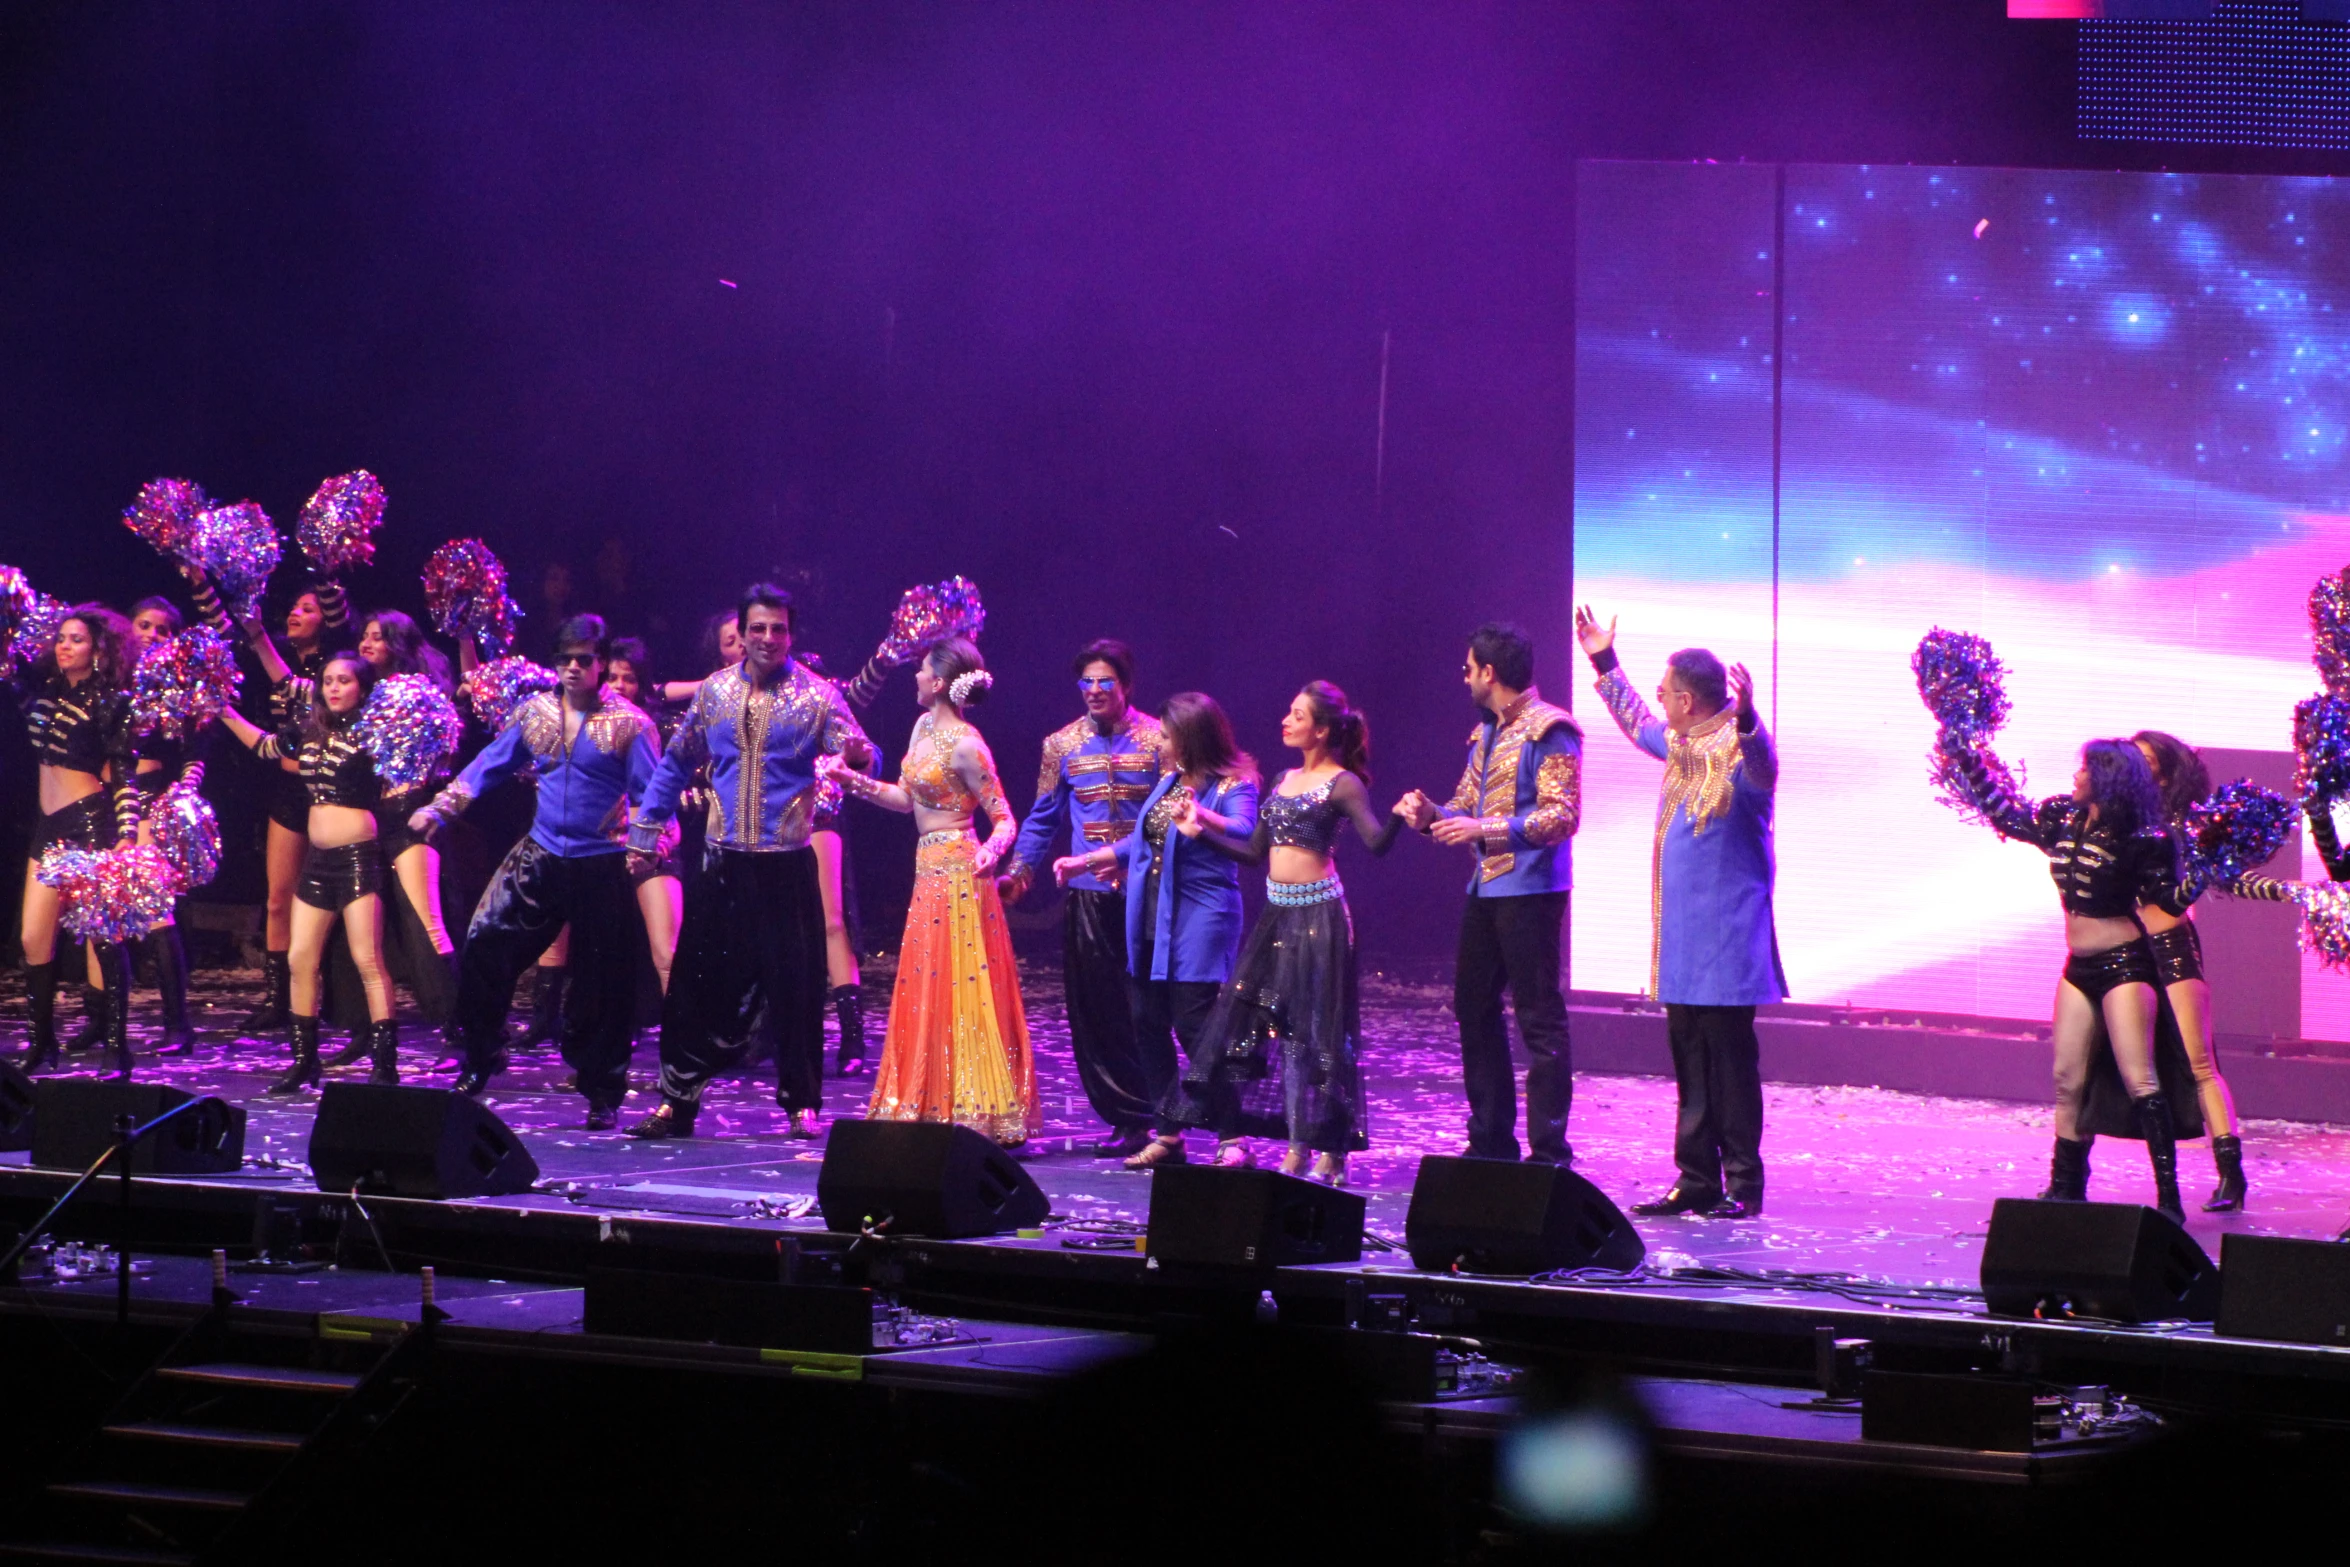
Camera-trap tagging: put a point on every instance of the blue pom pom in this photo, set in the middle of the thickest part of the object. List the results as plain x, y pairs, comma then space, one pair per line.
409, 727
2321, 741
2234, 832
1963, 684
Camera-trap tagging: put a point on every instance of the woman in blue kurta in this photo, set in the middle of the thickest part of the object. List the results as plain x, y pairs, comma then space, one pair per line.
1183, 913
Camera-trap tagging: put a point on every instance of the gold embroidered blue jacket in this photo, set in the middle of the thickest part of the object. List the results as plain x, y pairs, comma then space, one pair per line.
761, 743
1099, 782
1524, 787
588, 788
1712, 939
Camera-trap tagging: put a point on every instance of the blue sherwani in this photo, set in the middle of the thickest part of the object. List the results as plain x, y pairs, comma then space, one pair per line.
1714, 955
1193, 924
1713, 941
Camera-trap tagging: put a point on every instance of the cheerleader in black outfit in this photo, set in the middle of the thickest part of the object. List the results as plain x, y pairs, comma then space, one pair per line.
394, 644
317, 625
2178, 956
161, 762
79, 717
2109, 851
660, 887
342, 867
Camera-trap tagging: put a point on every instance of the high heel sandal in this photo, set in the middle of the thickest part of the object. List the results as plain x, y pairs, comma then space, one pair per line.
1330, 1169
1233, 1154
1294, 1161
1158, 1151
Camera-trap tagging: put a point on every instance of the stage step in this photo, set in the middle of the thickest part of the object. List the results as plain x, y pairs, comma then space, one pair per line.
281, 1379
76, 1551
208, 1436
127, 1493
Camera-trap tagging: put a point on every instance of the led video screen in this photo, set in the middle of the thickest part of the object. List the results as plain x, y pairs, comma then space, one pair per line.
2100, 419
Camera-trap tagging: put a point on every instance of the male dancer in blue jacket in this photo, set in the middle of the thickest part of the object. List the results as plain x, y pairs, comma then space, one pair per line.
1715, 954
1516, 808
592, 755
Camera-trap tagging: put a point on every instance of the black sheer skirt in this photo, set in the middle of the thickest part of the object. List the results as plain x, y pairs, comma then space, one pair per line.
1281, 1055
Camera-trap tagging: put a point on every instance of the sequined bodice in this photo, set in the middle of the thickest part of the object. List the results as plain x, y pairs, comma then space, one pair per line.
1302, 821
338, 771
1160, 818
929, 774
79, 728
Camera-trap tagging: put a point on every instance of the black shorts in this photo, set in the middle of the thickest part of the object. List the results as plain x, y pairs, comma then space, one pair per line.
333, 879
88, 823
2178, 953
2099, 972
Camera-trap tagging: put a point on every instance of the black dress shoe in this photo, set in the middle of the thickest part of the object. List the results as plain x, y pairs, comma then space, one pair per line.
655, 1127
473, 1079
602, 1118
1122, 1143
1736, 1208
1678, 1201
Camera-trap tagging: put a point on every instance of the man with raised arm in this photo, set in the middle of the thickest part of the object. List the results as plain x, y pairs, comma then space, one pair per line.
1714, 954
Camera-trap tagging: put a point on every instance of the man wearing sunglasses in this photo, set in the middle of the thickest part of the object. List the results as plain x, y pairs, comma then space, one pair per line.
1097, 772
592, 755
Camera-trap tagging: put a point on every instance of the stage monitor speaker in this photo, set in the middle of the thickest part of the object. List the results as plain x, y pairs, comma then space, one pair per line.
2094, 1259
1500, 1216
16, 1109
414, 1142
923, 1178
1205, 1217
2288, 1291
73, 1123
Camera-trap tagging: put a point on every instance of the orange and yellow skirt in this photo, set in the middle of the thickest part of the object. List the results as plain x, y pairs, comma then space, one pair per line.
957, 1047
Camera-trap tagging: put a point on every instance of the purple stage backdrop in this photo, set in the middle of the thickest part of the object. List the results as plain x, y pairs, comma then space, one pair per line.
2098, 418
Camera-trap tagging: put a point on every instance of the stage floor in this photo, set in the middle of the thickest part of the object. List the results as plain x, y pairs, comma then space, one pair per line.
1889, 1185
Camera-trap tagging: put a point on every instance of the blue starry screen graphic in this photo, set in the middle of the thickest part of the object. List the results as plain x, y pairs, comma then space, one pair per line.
2100, 419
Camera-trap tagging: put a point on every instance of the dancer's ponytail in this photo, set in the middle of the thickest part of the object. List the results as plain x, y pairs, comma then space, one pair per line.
1350, 731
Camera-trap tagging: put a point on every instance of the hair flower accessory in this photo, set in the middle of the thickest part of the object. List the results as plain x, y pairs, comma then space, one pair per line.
959, 690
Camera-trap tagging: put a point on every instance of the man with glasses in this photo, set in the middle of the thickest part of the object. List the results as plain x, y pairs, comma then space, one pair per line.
1516, 809
592, 755
752, 939
1096, 774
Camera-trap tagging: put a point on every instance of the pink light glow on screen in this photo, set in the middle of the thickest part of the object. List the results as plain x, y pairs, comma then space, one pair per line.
1886, 898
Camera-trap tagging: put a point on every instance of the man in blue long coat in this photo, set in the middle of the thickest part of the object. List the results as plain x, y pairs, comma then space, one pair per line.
1714, 953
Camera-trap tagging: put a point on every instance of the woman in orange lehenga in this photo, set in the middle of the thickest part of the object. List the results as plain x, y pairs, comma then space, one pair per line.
957, 1046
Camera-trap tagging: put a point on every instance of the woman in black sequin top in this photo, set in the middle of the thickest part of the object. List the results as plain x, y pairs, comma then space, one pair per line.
79, 718
2109, 850
343, 869
162, 761
1281, 1055
317, 624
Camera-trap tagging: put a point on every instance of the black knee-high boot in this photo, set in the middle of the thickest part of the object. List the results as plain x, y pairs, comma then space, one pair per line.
2162, 1152
40, 984
170, 956
95, 1005
303, 1073
276, 1009
848, 1007
116, 964
383, 1052
2227, 1156
2068, 1171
